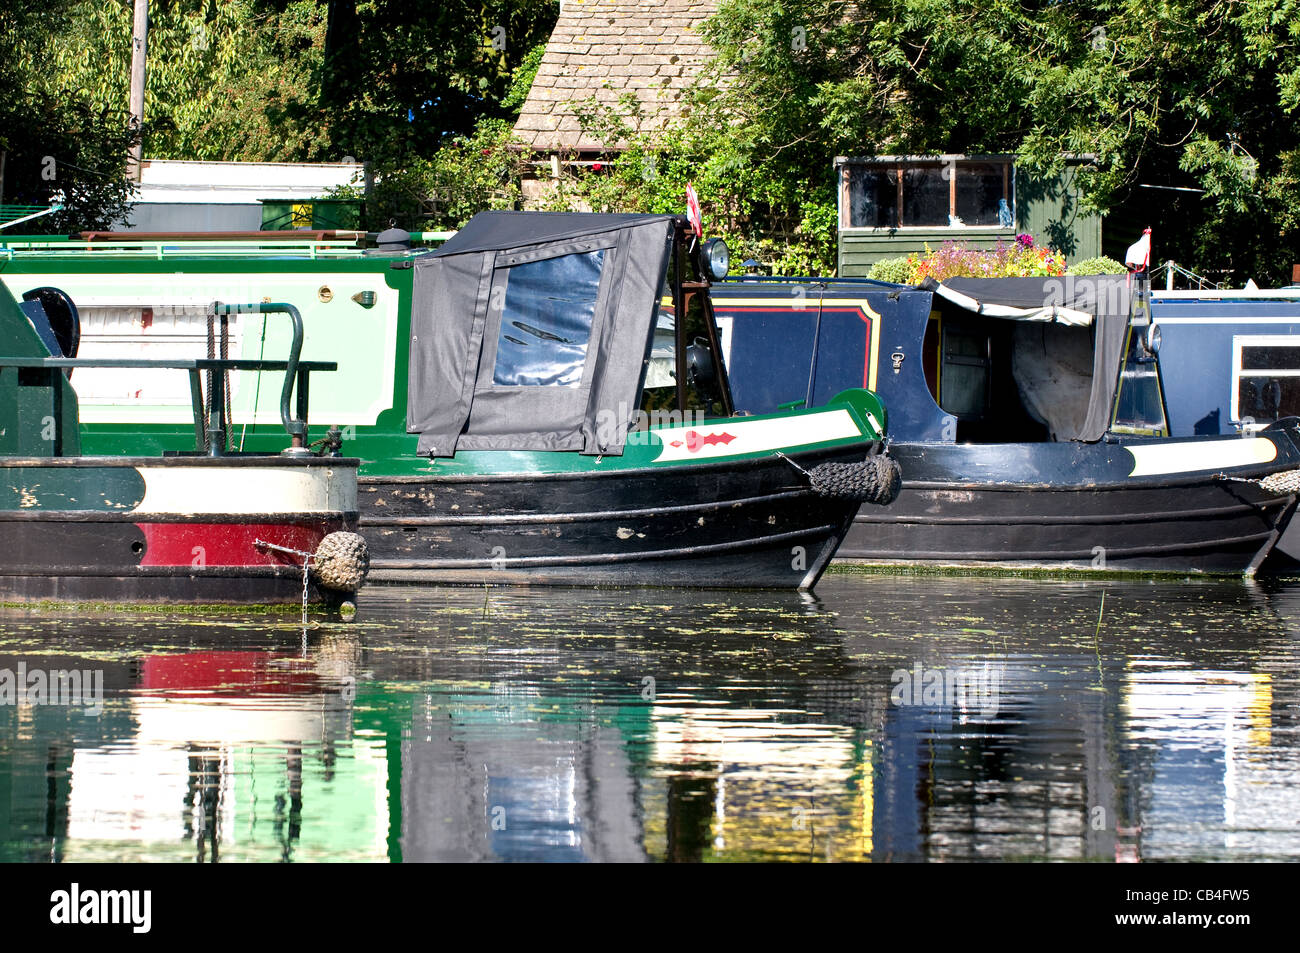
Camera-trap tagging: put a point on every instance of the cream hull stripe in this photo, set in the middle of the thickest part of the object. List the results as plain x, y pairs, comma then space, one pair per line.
1191, 456
729, 438
239, 491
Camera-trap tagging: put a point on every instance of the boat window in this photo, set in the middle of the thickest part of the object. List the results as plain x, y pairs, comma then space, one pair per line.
1266, 371
1139, 400
546, 321
964, 378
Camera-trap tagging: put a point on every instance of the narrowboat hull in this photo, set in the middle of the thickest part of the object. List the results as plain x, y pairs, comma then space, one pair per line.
1118, 505
171, 530
751, 523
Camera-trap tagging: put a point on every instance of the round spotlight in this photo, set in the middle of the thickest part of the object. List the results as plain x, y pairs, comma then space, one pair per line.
1153, 336
715, 258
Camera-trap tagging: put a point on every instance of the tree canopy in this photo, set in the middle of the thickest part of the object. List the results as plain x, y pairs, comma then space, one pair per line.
54, 148
1188, 108
271, 80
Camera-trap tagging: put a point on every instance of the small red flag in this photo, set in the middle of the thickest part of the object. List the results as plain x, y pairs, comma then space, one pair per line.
693, 211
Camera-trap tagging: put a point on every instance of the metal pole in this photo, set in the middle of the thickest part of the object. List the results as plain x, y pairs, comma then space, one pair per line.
139, 40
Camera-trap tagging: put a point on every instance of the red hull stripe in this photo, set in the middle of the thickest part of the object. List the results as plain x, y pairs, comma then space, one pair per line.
228, 544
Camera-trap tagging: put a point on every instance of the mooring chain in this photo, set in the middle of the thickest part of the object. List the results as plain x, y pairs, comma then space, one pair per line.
1282, 483
306, 567
876, 479
341, 561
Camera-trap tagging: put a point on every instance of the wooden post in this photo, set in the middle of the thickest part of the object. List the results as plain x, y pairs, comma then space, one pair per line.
952, 190
139, 40
1295, 274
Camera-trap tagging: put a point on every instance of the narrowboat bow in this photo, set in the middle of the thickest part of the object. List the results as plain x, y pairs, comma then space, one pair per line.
555, 447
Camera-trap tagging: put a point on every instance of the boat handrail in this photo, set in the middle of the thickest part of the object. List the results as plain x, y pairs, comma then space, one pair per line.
189, 245
296, 427
297, 375
161, 250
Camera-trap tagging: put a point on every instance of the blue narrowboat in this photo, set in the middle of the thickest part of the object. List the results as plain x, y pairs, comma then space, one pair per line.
1231, 358
1061, 423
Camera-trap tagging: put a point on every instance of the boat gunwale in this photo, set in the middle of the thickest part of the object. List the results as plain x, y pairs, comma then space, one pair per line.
203, 461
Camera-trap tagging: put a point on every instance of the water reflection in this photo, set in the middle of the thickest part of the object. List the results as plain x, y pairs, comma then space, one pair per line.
892, 718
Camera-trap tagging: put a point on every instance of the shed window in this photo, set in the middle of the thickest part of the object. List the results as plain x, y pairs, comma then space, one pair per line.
944, 192
549, 306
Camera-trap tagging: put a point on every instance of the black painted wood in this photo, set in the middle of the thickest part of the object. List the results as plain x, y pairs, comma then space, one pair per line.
750, 524
1070, 506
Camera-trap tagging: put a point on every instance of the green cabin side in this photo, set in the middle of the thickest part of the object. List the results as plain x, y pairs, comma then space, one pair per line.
356, 309
38, 407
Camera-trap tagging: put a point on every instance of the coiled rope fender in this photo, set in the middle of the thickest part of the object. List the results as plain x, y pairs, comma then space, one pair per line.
876, 479
1283, 484
341, 562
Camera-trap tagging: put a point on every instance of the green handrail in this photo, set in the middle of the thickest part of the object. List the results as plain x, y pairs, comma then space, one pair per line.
297, 428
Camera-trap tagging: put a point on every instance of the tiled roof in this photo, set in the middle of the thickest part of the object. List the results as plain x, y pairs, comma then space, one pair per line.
601, 49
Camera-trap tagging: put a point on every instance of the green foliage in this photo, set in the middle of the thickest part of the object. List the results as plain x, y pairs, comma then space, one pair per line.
468, 175
1200, 95
522, 79
398, 79
896, 270
269, 80
198, 52
784, 215
1197, 94
281, 80
1097, 266
56, 151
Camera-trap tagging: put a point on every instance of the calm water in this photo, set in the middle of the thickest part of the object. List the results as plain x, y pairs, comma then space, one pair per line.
889, 718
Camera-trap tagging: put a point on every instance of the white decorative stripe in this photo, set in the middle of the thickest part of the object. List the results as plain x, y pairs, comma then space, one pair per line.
1189, 456
732, 437
245, 490
1051, 312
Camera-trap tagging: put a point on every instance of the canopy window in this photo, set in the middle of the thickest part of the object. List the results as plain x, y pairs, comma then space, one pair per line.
531, 331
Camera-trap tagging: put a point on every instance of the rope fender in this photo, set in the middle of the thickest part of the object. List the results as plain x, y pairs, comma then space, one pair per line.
1282, 484
875, 480
341, 562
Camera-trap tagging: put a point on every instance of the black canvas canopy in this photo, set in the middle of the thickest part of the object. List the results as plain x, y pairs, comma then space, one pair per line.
530, 331
1068, 348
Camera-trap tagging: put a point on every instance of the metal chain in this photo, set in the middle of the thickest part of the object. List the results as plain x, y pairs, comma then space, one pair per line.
212, 353
305, 564
225, 374
218, 344
306, 567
